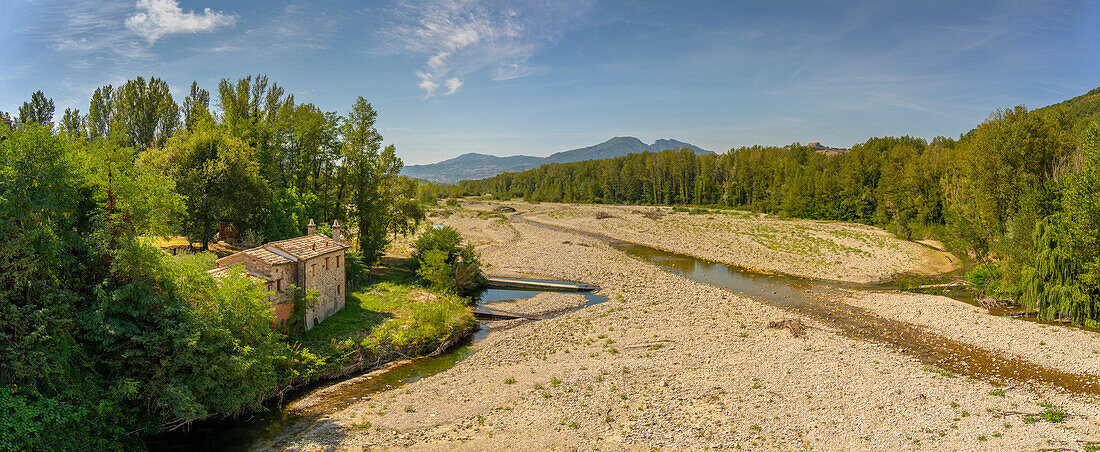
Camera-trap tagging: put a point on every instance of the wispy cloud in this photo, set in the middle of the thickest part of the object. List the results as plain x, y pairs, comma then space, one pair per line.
461, 37
157, 18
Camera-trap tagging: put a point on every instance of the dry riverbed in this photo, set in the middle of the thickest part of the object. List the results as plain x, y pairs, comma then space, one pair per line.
814, 249
670, 362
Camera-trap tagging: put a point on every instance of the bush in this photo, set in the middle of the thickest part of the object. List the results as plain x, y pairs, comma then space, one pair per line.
356, 269
446, 239
251, 239
441, 261
429, 198
435, 269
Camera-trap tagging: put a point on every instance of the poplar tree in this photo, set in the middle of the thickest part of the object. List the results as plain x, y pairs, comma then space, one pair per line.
39, 110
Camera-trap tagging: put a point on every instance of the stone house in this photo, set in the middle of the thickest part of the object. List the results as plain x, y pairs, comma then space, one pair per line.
311, 262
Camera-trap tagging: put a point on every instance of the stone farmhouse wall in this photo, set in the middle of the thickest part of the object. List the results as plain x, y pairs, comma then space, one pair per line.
284, 277
326, 275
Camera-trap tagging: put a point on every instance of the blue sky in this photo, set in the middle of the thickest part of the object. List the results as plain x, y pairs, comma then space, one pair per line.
539, 77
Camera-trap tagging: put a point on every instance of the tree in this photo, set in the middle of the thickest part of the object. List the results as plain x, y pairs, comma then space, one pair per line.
99, 113
196, 108
216, 174
287, 214
1001, 185
371, 172
38, 110
407, 212
440, 259
72, 123
145, 112
1063, 279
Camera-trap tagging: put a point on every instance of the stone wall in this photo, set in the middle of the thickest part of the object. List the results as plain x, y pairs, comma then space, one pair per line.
326, 275
283, 277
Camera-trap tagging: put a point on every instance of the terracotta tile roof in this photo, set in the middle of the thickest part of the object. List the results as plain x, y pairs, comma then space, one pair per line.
221, 272
306, 247
270, 257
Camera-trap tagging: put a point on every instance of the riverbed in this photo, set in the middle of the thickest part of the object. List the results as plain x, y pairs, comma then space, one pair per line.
678, 361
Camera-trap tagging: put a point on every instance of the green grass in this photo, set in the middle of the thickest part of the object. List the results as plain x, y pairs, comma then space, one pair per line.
389, 317
941, 372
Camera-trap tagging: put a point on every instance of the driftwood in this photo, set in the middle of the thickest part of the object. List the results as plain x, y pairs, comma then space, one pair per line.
604, 215
794, 325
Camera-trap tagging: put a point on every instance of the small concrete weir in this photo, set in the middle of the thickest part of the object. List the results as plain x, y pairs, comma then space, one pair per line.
486, 313
513, 283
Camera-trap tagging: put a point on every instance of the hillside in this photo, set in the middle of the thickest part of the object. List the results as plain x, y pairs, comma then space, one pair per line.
1083, 106
479, 166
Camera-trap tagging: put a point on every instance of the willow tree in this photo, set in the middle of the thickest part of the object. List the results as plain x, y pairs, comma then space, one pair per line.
1063, 280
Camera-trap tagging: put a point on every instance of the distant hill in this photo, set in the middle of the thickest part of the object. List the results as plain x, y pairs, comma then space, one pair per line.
827, 150
480, 166
471, 166
822, 149
1084, 106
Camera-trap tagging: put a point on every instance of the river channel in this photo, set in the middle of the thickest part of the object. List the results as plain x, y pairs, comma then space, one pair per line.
813, 298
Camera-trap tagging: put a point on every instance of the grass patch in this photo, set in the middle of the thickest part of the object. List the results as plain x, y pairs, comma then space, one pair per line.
1052, 413
942, 372
393, 316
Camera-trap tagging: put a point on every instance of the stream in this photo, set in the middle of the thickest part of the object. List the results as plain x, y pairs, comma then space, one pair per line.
813, 298
281, 421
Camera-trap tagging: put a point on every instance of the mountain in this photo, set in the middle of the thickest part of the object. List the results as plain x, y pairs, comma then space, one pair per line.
1083, 106
471, 166
611, 148
480, 166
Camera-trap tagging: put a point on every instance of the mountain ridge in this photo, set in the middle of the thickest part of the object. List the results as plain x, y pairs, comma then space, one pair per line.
473, 165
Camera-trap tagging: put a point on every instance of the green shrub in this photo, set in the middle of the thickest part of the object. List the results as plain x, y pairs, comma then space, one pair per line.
445, 265
435, 269
445, 238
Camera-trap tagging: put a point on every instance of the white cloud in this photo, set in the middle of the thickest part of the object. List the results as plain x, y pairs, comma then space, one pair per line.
165, 17
453, 84
427, 84
460, 37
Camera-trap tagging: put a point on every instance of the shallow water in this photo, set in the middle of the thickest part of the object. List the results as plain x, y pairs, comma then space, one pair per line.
815, 298
281, 421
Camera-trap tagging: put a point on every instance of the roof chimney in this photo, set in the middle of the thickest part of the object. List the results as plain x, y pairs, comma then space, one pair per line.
339, 238
312, 228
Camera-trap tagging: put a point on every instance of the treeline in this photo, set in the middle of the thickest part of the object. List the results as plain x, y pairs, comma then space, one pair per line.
255, 163
104, 337
1019, 187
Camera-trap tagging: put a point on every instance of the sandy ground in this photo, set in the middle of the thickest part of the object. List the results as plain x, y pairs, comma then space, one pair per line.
1054, 346
815, 249
669, 362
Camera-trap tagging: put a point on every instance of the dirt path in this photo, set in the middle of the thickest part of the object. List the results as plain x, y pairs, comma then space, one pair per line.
669, 362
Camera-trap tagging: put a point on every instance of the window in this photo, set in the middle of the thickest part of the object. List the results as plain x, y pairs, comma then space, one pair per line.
337, 290
279, 285
326, 263
314, 268
337, 261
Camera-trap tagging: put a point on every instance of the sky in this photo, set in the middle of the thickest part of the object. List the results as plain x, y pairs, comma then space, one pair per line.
539, 77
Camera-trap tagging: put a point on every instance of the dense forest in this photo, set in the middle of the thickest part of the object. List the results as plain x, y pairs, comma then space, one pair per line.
1018, 193
104, 336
